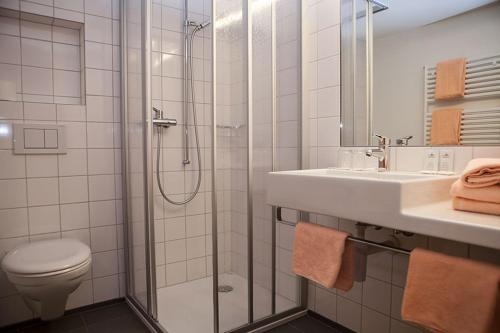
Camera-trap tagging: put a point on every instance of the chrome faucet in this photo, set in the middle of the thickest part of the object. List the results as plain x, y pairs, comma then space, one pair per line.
382, 153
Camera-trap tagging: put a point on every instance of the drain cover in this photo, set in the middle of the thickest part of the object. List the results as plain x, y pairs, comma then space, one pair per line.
225, 288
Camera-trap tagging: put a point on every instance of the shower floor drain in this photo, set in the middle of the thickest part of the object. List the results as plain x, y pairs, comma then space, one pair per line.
225, 288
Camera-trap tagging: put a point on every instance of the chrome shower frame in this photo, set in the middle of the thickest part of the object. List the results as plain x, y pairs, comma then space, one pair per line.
149, 314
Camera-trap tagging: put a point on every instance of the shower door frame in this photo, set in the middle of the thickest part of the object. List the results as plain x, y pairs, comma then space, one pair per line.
149, 314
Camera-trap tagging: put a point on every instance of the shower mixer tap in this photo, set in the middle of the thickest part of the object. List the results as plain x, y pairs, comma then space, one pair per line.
158, 119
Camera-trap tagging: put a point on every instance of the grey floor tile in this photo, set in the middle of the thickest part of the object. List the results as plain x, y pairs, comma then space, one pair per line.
125, 324
284, 329
71, 323
106, 313
308, 324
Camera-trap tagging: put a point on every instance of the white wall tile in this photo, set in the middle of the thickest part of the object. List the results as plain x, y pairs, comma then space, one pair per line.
41, 166
102, 213
76, 5
73, 189
42, 191
99, 82
37, 81
101, 187
44, 219
98, 29
374, 322
349, 314
67, 83
11, 50
36, 53
75, 216
104, 264
13, 166
106, 288
377, 295
36, 30
98, 7
67, 56
100, 161
100, 135
39, 111
98, 55
103, 238
13, 222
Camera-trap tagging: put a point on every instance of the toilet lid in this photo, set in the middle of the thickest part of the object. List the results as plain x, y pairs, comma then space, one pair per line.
46, 256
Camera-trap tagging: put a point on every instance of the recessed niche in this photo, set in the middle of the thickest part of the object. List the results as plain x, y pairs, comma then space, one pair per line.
43, 56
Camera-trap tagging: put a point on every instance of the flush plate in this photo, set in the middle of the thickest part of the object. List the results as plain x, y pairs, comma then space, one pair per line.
38, 139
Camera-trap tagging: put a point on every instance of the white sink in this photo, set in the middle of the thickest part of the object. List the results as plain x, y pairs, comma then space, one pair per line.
358, 195
406, 201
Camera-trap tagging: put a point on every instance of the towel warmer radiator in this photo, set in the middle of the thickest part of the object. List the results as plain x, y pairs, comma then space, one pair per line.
480, 125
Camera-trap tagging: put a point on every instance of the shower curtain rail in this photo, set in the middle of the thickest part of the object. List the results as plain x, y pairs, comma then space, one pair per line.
354, 239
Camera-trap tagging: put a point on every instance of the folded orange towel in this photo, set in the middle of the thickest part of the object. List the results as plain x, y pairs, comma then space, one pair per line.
445, 127
451, 295
481, 172
488, 193
476, 206
450, 79
322, 255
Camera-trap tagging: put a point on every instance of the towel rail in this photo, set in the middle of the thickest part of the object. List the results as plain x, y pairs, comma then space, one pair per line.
351, 238
482, 81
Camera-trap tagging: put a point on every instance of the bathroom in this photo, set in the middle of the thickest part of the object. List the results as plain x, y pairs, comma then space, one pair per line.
298, 140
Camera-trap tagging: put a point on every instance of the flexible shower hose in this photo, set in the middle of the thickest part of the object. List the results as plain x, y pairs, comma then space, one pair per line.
198, 153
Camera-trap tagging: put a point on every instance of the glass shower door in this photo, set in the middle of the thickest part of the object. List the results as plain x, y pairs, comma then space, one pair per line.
134, 154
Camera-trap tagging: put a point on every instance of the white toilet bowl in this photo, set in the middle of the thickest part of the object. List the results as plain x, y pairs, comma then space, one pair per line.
46, 272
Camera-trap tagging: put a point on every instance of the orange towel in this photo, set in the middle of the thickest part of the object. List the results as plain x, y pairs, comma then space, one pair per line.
322, 255
476, 206
451, 295
481, 172
445, 127
450, 79
488, 193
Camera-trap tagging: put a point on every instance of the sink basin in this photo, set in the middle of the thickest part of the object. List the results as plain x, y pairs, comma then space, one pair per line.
333, 172
359, 195
406, 201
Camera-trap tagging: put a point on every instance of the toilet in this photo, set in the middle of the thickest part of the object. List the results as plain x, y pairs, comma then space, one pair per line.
46, 272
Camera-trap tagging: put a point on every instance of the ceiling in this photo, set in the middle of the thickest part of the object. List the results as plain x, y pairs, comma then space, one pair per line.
408, 14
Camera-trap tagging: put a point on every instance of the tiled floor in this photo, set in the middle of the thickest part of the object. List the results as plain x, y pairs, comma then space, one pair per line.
309, 324
113, 318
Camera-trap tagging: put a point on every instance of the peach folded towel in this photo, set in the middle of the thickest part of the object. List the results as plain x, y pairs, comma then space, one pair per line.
450, 79
476, 206
445, 127
481, 172
488, 193
322, 255
451, 295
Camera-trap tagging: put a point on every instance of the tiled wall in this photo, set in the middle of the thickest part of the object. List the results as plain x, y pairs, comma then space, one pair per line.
182, 233
372, 305
77, 194
43, 60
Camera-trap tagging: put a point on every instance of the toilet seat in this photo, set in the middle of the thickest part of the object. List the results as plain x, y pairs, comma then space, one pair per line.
46, 258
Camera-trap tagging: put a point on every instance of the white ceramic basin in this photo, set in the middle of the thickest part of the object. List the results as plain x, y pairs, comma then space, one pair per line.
406, 201
359, 195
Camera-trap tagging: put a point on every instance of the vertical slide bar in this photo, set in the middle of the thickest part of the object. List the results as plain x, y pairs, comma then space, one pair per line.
215, 252
148, 161
124, 136
273, 152
248, 11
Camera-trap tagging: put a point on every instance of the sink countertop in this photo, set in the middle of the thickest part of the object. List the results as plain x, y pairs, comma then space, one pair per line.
400, 200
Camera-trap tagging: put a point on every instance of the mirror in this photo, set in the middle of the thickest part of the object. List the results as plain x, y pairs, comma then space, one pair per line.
391, 81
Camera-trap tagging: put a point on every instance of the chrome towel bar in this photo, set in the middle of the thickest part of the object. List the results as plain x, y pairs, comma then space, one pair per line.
351, 238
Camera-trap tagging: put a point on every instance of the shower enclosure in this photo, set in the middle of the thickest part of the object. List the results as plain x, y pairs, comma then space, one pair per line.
211, 103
